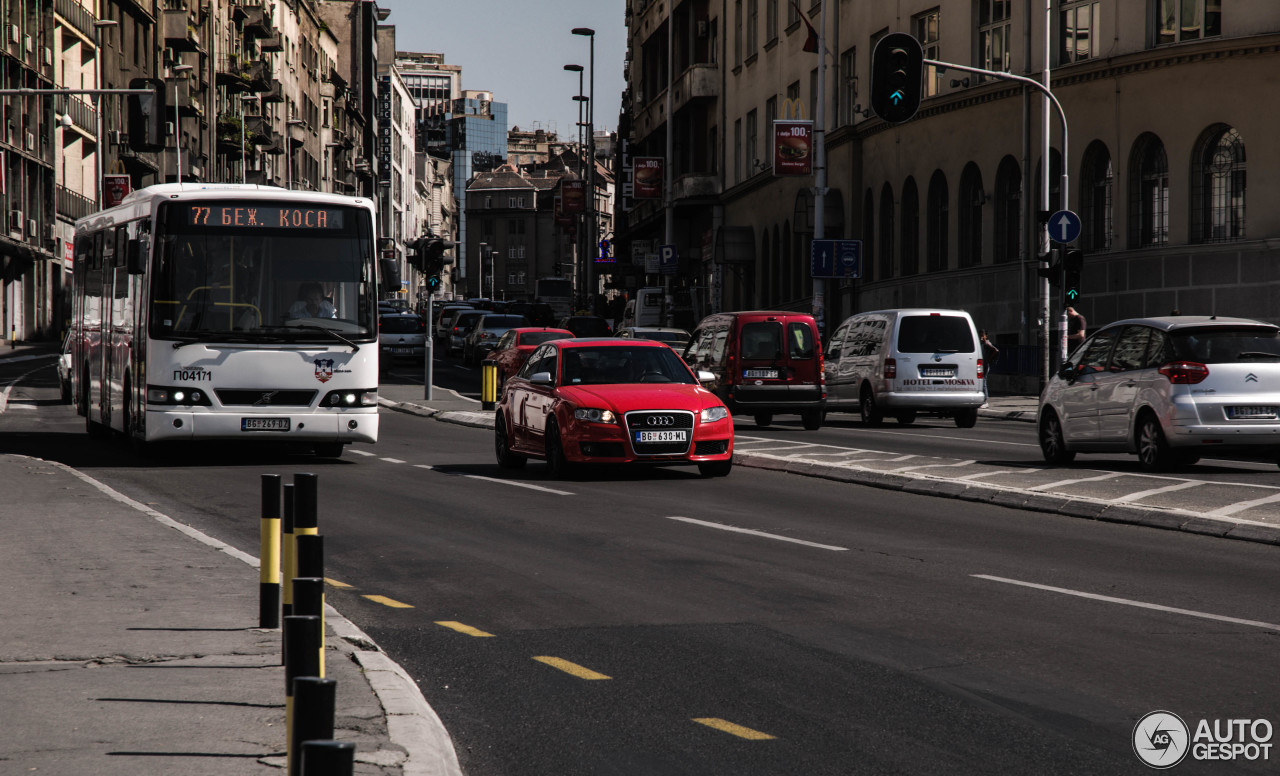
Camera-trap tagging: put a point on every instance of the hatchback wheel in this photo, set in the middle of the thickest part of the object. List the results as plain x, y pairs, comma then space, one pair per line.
871, 414
1052, 443
561, 467
1154, 454
502, 446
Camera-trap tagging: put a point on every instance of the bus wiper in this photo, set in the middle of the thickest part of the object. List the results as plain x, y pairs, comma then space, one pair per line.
354, 347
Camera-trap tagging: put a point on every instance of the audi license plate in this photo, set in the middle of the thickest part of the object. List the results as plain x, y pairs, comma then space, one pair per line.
643, 437
770, 374
937, 372
1252, 413
264, 424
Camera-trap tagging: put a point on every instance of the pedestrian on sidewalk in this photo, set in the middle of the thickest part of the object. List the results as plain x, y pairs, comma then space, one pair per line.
990, 355
1076, 326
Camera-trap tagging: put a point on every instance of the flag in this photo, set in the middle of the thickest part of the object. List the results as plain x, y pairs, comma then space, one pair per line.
811, 43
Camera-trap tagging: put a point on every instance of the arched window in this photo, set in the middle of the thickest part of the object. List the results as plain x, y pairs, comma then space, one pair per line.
1096, 182
910, 228
868, 236
972, 198
886, 232
1148, 193
937, 215
1218, 186
1008, 206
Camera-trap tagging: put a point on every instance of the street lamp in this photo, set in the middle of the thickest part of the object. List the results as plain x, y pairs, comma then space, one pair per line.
244, 157
97, 109
177, 116
288, 147
480, 263
591, 157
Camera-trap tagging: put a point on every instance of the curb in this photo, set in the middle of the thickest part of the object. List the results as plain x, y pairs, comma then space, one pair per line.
1067, 506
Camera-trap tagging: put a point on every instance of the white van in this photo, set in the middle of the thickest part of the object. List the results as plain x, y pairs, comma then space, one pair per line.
902, 362
644, 309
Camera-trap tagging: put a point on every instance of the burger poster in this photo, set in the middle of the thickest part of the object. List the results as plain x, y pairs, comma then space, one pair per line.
792, 147
575, 196
647, 183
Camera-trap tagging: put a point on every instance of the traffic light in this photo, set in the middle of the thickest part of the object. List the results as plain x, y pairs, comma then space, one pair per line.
1072, 268
1050, 267
897, 70
433, 283
146, 126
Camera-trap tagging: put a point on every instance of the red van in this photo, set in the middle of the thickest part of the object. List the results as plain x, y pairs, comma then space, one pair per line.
765, 362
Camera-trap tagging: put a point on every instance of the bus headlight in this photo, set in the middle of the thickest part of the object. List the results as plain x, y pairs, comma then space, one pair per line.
352, 397
174, 396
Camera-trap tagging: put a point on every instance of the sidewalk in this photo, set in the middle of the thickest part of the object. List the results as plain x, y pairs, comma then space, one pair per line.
131, 647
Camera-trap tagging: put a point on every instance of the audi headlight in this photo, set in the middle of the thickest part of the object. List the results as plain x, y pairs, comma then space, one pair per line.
595, 416
712, 414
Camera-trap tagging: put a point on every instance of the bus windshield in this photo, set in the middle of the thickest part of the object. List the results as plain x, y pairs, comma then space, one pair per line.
273, 271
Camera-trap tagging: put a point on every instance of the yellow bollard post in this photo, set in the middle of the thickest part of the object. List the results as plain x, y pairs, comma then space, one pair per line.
287, 546
269, 554
488, 385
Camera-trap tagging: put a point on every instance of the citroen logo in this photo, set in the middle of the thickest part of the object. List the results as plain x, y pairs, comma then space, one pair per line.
1251, 378
660, 420
266, 398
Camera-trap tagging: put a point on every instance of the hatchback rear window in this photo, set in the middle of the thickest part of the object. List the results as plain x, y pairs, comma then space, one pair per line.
401, 325
539, 337
1222, 345
935, 334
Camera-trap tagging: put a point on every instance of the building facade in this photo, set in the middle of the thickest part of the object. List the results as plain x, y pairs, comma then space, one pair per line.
477, 142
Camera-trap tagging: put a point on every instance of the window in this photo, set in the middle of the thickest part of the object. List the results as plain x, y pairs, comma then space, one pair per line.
737, 33
1181, 20
752, 156
737, 150
793, 14
910, 228
886, 232
753, 26
1131, 349
848, 90
1096, 181
1078, 33
972, 198
926, 27
770, 21
936, 222
993, 34
1149, 193
1008, 208
770, 116
1218, 186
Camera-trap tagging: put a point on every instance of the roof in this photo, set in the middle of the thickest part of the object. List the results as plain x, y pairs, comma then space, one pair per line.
1175, 322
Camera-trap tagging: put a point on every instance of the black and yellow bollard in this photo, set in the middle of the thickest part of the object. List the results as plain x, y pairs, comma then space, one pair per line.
302, 658
488, 384
287, 547
328, 758
306, 508
313, 706
269, 554
308, 601
309, 555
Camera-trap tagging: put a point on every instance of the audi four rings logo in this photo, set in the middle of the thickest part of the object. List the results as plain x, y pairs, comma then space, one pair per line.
660, 420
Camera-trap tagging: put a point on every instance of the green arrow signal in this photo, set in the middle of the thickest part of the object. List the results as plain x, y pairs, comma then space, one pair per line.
1072, 294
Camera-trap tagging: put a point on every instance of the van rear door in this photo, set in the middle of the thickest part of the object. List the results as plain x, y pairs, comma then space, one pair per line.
937, 352
779, 357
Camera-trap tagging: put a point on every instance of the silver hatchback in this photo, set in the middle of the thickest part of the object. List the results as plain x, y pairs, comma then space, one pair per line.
1168, 389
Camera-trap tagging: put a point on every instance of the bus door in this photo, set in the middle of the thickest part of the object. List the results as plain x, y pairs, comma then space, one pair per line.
120, 325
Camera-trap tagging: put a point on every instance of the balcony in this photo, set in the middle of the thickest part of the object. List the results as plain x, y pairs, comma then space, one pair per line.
257, 129
179, 32
698, 82
695, 185
72, 204
277, 145
261, 76
274, 94
257, 23
83, 116
271, 43
233, 74
79, 17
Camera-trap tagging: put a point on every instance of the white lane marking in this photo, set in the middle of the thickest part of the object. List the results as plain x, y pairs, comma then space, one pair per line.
762, 534
970, 440
1155, 491
391, 460
1130, 602
423, 466
1064, 483
20, 406
1240, 506
980, 475
528, 485
364, 453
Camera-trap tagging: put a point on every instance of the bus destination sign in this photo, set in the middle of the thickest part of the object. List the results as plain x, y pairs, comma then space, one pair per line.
254, 216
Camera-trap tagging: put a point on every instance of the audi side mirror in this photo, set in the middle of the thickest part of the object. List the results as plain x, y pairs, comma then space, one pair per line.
706, 377
541, 378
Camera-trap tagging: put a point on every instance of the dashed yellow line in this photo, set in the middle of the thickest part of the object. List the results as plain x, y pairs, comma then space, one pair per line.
467, 629
732, 729
382, 599
336, 583
570, 668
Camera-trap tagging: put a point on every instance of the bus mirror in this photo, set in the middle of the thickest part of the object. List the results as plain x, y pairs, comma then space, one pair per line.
136, 252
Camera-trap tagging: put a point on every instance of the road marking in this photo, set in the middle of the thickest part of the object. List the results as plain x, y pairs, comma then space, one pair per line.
391, 460
1240, 506
732, 729
15, 405
528, 485
394, 604
571, 668
467, 629
762, 534
336, 583
363, 452
1129, 602
955, 465
1155, 491
1064, 483
426, 466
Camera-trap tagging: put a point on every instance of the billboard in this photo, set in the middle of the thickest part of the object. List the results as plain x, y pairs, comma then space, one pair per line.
649, 172
792, 147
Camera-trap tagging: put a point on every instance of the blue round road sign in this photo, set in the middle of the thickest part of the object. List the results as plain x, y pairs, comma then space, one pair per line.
1064, 226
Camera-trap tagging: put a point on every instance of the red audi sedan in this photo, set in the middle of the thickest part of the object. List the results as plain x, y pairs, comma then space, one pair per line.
516, 345
609, 400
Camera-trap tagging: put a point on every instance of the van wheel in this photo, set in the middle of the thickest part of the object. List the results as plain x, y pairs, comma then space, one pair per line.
763, 419
812, 419
906, 418
871, 414
967, 418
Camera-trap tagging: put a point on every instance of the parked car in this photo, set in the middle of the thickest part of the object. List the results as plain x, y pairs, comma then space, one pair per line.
401, 336
64, 369
516, 344
610, 401
644, 309
488, 330
902, 362
461, 325
763, 363
678, 339
538, 313
444, 320
586, 325
1168, 389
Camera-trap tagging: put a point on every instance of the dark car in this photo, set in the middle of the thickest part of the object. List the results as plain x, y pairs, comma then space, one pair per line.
516, 345
481, 341
538, 313
586, 326
401, 336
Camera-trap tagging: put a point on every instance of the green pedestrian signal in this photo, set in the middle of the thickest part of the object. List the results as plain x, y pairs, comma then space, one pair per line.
433, 282
1072, 269
897, 72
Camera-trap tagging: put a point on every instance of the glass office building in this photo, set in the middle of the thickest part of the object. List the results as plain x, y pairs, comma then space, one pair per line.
478, 139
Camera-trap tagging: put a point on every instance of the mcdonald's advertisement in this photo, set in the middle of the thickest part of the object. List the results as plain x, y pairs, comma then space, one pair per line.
648, 177
574, 195
792, 147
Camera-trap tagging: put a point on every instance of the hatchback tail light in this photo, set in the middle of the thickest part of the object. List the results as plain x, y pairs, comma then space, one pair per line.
890, 368
1185, 372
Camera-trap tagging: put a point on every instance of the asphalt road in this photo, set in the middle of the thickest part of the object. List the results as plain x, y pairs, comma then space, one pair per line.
656, 622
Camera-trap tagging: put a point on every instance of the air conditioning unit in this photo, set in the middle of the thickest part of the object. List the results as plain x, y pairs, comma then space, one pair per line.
47, 56
703, 28
52, 232
31, 141
32, 226
116, 137
29, 43
168, 129
170, 56
15, 220
13, 33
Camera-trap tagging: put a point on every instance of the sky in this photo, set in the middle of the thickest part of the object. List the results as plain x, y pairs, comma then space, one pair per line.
517, 49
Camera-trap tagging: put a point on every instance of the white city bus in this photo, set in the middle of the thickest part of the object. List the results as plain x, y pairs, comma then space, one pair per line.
191, 318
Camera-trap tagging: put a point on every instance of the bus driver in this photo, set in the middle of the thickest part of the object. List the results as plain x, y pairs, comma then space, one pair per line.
312, 304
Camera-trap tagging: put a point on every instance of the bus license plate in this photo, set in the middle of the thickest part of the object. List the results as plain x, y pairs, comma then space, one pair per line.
643, 437
770, 374
264, 424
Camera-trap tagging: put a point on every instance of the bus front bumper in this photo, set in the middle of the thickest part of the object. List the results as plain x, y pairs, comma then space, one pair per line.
356, 425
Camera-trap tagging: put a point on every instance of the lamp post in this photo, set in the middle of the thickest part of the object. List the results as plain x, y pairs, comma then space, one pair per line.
97, 107
175, 72
480, 263
578, 283
594, 235
288, 149
244, 157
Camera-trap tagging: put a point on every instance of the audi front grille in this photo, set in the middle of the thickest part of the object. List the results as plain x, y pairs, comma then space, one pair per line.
660, 420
